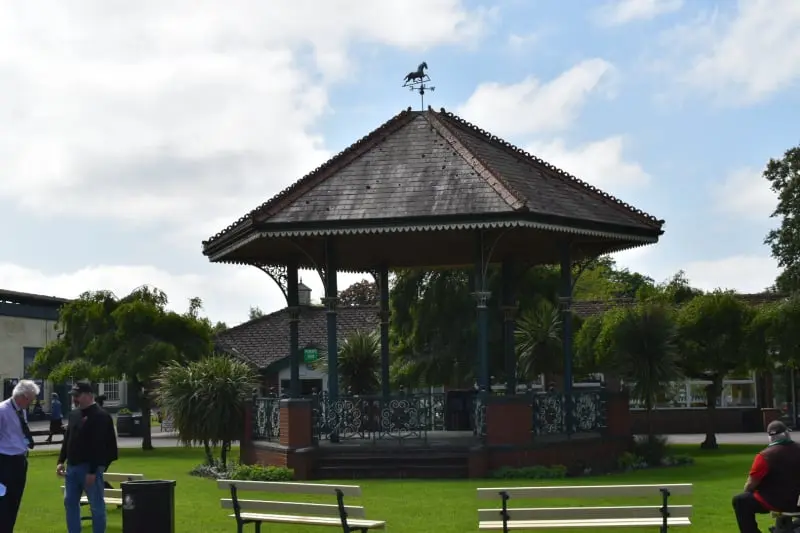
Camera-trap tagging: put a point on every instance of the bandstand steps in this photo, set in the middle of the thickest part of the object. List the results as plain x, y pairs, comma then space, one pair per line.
402, 463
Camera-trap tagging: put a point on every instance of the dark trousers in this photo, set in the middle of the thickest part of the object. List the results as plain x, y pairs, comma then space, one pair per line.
746, 507
13, 473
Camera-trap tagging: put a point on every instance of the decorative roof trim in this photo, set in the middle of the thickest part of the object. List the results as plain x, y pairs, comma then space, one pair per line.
313, 178
457, 226
495, 181
569, 178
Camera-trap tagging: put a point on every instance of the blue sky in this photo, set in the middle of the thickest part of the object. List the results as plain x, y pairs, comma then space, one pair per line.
140, 129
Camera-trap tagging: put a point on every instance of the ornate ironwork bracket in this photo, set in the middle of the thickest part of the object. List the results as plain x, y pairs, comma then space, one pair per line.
279, 274
482, 298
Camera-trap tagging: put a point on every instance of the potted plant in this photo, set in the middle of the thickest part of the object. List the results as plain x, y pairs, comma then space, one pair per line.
125, 423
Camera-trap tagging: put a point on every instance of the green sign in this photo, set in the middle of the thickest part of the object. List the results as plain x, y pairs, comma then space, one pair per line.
310, 355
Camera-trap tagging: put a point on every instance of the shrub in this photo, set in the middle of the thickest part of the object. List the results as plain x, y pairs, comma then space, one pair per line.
630, 461
677, 460
261, 473
531, 472
214, 471
124, 411
652, 449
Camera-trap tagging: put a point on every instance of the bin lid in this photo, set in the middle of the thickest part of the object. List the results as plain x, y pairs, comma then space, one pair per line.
149, 482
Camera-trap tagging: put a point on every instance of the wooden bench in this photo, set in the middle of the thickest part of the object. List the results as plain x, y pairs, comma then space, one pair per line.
784, 522
348, 517
544, 518
111, 495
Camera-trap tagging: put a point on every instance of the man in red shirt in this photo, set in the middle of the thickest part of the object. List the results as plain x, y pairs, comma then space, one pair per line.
774, 480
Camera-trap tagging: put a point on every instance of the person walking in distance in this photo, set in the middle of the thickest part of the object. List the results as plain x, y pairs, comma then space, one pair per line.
15, 441
56, 417
89, 447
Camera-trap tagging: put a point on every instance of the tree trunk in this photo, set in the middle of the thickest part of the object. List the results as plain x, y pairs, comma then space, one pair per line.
144, 403
224, 453
208, 452
711, 407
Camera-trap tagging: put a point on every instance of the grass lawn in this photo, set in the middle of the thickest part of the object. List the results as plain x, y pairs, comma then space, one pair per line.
407, 506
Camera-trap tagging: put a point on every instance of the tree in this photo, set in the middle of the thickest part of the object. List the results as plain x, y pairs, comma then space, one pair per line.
255, 312
360, 294
359, 363
538, 342
783, 176
638, 344
102, 336
713, 333
206, 400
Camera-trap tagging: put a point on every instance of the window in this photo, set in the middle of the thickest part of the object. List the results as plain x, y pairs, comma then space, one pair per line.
110, 389
738, 391
28, 355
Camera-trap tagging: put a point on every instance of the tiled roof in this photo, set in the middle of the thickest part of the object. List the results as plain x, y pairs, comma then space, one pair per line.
587, 308
434, 164
265, 340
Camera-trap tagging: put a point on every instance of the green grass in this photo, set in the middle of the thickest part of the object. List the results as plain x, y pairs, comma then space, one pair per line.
407, 506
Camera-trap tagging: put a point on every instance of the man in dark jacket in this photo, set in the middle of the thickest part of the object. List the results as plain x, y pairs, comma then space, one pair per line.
774, 480
89, 447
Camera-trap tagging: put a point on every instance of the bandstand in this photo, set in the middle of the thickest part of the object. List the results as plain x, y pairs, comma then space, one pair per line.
430, 190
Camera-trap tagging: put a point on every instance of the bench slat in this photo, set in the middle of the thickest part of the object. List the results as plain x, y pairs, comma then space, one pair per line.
312, 520
586, 491
581, 524
107, 493
290, 487
585, 513
113, 476
294, 508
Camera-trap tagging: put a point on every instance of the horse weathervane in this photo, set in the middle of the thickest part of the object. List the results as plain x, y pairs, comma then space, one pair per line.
418, 81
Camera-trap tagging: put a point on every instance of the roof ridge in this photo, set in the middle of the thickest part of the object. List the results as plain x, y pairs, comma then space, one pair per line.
566, 176
509, 195
320, 173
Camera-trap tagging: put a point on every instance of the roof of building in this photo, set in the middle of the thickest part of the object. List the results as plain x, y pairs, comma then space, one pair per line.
27, 298
435, 166
265, 340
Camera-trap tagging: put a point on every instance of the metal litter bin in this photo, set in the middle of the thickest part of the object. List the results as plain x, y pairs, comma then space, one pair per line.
148, 506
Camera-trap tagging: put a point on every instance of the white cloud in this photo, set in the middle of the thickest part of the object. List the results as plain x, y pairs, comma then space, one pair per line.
600, 163
742, 57
619, 12
524, 42
531, 106
746, 194
743, 273
158, 112
227, 291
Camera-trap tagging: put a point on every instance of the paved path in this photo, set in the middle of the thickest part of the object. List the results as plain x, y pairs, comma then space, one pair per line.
160, 440
722, 438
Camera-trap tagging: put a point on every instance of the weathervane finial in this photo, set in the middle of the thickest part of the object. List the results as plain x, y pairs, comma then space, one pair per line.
418, 81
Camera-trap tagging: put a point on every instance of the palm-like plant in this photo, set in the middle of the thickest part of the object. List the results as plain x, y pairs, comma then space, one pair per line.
538, 341
639, 343
206, 400
359, 363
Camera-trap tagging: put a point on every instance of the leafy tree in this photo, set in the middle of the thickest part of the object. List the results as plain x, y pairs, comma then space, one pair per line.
255, 312
783, 176
538, 342
359, 294
102, 336
206, 400
638, 344
676, 290
713, 332
359, 363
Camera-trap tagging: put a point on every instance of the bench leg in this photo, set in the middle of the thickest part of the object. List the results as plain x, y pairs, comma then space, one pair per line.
258, 527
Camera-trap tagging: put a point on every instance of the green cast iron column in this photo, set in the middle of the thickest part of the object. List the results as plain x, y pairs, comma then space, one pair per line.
331, 299
482, 297
509, 325
383, 281
294, 330
565, 302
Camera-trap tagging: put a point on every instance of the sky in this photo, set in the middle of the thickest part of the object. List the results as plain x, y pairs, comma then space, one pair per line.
132, 131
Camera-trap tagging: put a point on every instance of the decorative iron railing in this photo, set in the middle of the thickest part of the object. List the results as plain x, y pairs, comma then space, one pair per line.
267, 417
479, 416
550, 412
398, 417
